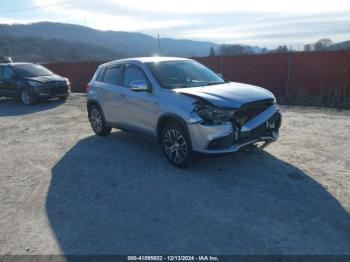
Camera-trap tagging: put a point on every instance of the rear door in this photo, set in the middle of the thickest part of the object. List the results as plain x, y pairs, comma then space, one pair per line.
109, 85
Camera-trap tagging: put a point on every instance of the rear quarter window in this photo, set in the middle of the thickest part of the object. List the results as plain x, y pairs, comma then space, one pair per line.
99, 77
111, 75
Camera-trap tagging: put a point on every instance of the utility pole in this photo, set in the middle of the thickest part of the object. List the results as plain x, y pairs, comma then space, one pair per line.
289, 65
222, 65
159, 49
8, 48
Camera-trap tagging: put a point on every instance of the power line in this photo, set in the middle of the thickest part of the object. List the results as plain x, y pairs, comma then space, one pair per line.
39, 7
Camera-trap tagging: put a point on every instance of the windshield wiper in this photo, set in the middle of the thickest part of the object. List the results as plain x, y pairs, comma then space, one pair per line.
199, 84
214, 83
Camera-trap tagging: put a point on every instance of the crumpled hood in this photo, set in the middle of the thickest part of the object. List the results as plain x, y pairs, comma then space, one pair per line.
47, 79
231, 95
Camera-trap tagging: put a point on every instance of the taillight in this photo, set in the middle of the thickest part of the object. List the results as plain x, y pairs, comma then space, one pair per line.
87, 88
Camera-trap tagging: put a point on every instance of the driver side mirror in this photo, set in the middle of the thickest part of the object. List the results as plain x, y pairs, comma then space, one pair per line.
139, 86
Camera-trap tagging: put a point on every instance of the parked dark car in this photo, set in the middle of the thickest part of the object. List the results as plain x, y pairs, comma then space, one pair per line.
5, 59
31, 83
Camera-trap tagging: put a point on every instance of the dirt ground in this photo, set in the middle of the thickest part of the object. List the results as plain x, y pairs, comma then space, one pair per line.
65, 191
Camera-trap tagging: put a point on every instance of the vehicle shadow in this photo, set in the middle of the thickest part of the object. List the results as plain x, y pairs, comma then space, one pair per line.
13, 107
118, 195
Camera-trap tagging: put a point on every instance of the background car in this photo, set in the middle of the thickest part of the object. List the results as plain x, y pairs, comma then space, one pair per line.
31, 82
5, 59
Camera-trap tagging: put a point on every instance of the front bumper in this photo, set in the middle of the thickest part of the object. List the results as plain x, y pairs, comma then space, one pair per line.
228, 138
52, 91
46, 96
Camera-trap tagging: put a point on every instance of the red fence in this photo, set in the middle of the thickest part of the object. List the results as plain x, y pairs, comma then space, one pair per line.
314, 78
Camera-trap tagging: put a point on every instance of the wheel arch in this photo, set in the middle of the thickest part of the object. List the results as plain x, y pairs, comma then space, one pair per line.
92, 102
168, 118
106, 128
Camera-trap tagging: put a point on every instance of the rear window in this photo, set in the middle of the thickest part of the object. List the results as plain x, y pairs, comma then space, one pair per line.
112, 76
6, 72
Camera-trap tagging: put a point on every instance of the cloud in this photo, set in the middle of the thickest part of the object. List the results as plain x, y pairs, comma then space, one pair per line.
256, 22
270, 29
219, 6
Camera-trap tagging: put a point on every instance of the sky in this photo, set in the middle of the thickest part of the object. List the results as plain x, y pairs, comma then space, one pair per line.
267, 23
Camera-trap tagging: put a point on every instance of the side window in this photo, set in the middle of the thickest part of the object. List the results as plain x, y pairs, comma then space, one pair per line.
8, 73
132, 74
112, 76
1, 71
99, 77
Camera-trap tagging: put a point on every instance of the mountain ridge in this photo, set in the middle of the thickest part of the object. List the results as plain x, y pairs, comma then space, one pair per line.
127, 43
37, 50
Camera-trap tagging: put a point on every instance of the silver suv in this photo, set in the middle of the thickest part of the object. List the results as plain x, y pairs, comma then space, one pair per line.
183, 105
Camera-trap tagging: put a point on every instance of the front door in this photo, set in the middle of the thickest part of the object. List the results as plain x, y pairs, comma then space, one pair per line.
8, 86
139, 109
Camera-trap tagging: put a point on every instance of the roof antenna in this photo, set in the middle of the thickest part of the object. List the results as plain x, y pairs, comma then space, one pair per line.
159, 49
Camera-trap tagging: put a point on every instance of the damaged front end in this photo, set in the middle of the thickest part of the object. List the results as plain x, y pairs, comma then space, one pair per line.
225, 130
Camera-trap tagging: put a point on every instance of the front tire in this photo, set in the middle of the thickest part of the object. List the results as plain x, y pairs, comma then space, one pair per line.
27, 98
176, 145
63, 98
98, 122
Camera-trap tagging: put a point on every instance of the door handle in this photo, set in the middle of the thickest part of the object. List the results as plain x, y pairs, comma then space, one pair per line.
122, 95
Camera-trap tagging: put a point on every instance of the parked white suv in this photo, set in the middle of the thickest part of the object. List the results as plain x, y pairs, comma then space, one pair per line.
182, 104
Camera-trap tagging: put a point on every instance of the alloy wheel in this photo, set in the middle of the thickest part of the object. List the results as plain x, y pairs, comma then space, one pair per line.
96, 119
175, 146
25, 97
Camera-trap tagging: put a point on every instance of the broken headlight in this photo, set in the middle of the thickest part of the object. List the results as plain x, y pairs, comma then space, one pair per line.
213, 115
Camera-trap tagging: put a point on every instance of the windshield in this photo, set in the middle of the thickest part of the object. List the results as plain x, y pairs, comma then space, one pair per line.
183, 73
31, 70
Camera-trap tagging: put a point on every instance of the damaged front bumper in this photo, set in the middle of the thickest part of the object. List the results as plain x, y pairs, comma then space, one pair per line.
228, 137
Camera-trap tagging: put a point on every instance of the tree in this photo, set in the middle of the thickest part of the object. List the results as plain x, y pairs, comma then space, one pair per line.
308, 48
235, 50
323, 44
280, 49
212, 52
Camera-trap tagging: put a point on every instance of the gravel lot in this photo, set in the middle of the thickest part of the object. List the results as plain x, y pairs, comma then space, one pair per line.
65, 191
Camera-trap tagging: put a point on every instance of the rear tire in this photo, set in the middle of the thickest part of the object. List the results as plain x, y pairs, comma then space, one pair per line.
27, 98
97, 121
176, 145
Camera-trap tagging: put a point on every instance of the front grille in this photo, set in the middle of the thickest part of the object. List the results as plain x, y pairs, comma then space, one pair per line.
250, 110
58, 90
